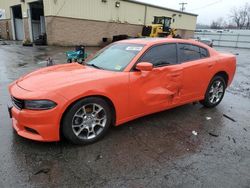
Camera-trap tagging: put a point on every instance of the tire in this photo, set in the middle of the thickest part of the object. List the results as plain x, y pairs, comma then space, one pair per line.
87, 121
80, 61
215, 92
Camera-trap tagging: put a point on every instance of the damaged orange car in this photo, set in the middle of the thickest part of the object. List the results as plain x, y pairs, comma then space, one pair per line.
126, 80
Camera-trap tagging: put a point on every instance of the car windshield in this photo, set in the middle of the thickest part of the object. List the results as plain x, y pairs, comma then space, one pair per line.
114, 57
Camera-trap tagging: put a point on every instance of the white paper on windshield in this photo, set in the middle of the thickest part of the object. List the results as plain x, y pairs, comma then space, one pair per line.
134, 48
118, 67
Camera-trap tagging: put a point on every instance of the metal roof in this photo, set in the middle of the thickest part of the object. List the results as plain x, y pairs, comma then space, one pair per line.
160, 7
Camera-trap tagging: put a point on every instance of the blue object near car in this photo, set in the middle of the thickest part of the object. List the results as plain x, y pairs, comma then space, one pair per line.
78, 55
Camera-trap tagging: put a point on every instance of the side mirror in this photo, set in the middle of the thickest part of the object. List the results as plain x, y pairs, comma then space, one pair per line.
144, 66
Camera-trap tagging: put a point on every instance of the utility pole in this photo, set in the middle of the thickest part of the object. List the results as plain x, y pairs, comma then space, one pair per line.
182, 6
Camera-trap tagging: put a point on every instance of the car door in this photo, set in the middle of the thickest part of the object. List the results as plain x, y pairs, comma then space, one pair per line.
151, 91
196, 70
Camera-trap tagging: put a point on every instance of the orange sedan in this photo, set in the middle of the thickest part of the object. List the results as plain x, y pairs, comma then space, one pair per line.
126, 80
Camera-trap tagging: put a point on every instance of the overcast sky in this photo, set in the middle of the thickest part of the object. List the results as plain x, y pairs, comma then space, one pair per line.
207, 10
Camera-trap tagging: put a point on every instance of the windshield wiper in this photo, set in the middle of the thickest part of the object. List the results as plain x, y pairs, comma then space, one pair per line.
93, 65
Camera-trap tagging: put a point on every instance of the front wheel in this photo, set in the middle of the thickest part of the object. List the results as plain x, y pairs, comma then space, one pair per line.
87, 120
215, 92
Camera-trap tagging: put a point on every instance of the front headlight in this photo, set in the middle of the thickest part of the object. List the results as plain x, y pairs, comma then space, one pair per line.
39, 104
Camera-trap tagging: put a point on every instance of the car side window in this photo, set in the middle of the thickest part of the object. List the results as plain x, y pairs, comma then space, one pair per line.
161, 55
204, 53
188, 52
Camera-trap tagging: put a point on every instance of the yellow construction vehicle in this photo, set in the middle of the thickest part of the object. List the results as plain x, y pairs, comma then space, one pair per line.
160, 28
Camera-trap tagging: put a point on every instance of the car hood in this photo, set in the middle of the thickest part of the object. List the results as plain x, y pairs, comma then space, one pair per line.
51, 78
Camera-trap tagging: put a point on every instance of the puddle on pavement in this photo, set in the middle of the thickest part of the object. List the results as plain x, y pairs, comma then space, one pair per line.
21, 64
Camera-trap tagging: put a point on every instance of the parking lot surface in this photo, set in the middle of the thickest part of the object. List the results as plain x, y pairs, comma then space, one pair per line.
189, 146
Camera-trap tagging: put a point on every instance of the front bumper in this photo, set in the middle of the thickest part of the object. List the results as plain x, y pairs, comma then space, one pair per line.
36, 125
40, 125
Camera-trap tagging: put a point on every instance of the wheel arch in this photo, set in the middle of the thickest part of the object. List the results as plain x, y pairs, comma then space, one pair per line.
224, 75
105, 98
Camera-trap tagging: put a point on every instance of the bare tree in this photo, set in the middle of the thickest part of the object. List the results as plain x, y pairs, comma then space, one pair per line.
248, 18
218, 24
244, 15
241, 16
235, 15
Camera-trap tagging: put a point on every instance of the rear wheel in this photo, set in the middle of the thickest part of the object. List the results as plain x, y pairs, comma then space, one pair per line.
87, 121
215, 92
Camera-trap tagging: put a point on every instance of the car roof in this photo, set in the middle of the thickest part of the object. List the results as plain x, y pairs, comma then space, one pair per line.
152, 41
146, 41
201, 38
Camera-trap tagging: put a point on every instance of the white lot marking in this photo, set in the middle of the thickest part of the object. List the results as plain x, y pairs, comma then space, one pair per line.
42, 62
194, 133
208, 118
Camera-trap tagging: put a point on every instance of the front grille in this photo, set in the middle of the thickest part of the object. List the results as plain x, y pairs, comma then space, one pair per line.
18, 103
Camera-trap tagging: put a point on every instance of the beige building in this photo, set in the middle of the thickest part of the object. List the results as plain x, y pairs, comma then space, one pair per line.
72, 22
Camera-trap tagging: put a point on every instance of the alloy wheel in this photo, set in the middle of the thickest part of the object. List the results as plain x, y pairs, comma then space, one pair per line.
216, 92
89, 121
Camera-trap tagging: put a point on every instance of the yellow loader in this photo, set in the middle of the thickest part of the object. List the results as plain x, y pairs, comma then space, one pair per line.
160, 28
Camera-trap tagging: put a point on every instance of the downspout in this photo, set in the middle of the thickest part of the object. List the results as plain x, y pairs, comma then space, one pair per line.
30, 22
145, 14
13, 29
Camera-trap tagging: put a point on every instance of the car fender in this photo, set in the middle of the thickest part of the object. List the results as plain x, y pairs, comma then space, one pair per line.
117, 94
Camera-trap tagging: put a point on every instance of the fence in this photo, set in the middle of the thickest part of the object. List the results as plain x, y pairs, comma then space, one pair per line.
227, 39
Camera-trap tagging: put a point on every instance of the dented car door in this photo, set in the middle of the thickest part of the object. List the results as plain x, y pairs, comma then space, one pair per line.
160, 88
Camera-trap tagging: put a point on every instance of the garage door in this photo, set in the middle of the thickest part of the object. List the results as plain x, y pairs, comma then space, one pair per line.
19, 29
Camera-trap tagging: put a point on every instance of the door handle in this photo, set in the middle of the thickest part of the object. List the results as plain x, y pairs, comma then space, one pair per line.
210, 65
175, 74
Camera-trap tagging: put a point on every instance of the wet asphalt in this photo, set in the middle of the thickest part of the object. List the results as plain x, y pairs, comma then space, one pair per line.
158, 150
